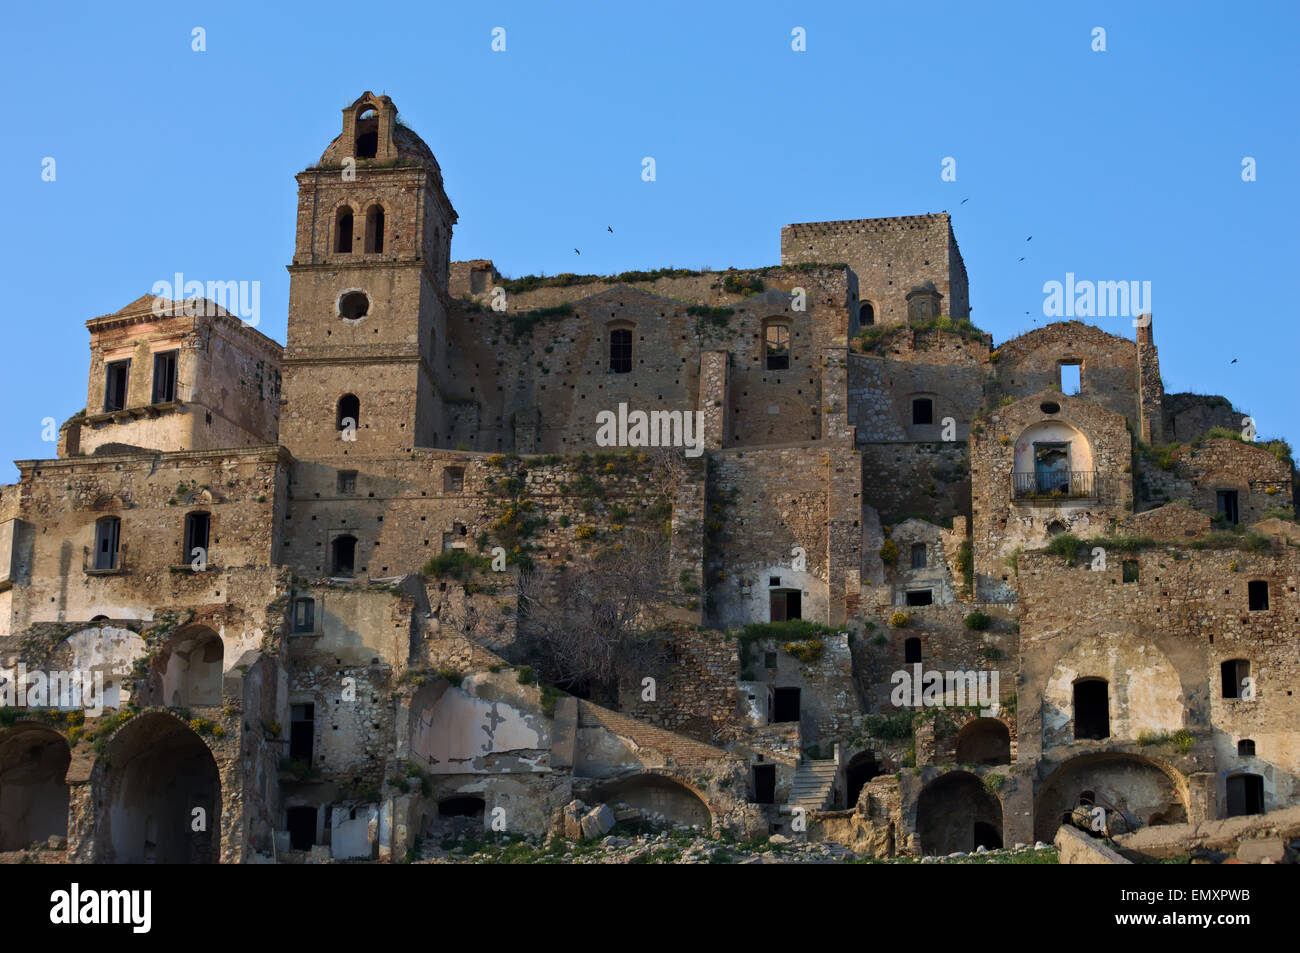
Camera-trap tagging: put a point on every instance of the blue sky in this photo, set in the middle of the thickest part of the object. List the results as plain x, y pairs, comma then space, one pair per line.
1122, 165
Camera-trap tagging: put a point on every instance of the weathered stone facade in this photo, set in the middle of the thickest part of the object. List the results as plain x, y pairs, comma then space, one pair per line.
312, 579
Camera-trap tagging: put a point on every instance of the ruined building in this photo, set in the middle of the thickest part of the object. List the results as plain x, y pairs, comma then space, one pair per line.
307, 576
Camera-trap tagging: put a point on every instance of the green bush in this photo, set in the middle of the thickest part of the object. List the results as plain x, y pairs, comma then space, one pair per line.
977, 621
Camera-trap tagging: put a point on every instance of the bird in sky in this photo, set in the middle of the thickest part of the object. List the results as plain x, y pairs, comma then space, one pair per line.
576, 252
610, 229
1022, 259
1233, 361
964, 201
1030, 238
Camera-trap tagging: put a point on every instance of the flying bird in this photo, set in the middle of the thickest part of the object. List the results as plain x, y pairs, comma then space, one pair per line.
1233, 361
1030, 238
1022, 259
576, 252
964, 201
610, 229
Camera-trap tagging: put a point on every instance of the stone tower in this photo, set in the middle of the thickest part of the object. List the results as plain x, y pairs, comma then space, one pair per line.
368, 293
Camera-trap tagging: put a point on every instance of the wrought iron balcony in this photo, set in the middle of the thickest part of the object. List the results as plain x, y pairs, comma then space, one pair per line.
1055, 485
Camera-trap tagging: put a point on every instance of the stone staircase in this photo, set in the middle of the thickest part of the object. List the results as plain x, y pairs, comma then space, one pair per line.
812, 785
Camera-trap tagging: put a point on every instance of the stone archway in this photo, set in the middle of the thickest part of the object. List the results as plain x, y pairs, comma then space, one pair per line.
192, 665
1146, 792
956, 812
860, 769
33, 788
984, 741
154, 779
660, 794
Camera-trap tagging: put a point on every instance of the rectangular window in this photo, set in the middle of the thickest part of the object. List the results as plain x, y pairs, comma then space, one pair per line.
1071, 379
922, 411
920, 597
1257, 590
164, 376
1130, 570
1225, 501
106, 542
620, 351
347, 481
302, 732
918, 555
453, 480
777, 339
196, 536
116, 377
304, 615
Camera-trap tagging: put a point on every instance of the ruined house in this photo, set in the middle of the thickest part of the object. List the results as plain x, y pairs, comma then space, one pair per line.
295, 572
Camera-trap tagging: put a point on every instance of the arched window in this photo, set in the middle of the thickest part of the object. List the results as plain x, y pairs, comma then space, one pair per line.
1091, 709
867, 314
1235, 675
367, 130
1246, 748
620, 351
349, 412
777, 347
375, 228
343, 231
912, 651
107, 530
343, 556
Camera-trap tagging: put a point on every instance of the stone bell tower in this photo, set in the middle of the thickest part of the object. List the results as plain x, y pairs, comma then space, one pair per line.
368, 293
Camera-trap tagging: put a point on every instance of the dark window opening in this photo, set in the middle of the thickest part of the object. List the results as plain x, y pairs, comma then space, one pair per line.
778, 347
1130, 570
349, 412
764, 784
354, 306
375, 229
348, 481
1257, 591
304, 615
620, 351
769, 660
344, 552
1091, 709
785, 705
302, 827
196, 536
343, 232
922, 411
866, 314
453, 480
106, 542
461, 807
1245, 795
1246, 748
786, 604
1225, 501
912, 651
1232, 675
920, 597
164, 377
367, 131
918, 555
116, 376
302, 730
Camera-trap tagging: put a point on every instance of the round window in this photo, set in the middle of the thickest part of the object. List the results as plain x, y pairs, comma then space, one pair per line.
1050, 407
353, 305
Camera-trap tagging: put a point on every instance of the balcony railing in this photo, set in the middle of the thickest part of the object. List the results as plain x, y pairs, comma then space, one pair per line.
1055, 485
